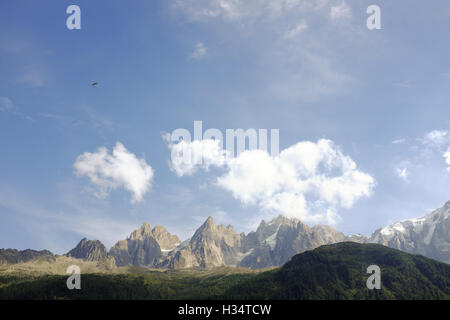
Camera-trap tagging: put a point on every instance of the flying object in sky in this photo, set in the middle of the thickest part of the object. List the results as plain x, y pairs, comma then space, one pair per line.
94, 84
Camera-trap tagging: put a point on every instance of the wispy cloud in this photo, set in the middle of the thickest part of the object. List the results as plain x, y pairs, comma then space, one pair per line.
33, 76
406, 84
303, 65
436, 138
292, 33
61, 119
432, 144
248, 10
340, 11
89, 117
6, 104
97, 120
199, 51
399, 141
403, 174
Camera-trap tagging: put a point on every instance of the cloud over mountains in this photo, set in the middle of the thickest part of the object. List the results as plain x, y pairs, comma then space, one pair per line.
310, 181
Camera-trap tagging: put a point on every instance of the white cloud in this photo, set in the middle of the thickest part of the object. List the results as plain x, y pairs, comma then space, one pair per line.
5, 104
341, 11
118, 169
233, 10
199, 51
433, 143
436, 138
252, 176
399, 141
188, 157
447, 158
403, 174
310, 181
297, 30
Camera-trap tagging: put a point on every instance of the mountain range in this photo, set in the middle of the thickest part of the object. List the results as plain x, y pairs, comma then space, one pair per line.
330, 272
11, 256
272, 244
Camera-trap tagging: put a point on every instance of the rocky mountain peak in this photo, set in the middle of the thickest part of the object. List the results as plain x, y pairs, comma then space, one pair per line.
143, 232
328, 234
144, 247
283, 220
207, 227
209, 230
209, 223
211, 246
140, 249
266, 229
276, 241
90, 250
159, 229
165, 239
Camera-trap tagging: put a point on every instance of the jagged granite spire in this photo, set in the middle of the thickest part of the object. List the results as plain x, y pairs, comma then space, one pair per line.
90, 250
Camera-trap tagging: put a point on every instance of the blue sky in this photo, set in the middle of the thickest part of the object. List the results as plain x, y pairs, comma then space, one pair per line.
311, 69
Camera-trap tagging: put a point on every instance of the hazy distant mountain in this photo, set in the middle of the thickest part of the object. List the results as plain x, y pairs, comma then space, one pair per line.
16, 256
428, 235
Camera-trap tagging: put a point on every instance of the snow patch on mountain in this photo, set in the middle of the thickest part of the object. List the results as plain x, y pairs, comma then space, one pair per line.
272, 240
417, 225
